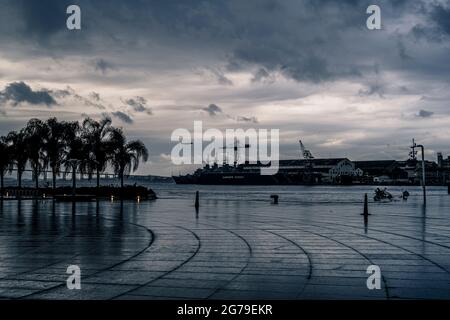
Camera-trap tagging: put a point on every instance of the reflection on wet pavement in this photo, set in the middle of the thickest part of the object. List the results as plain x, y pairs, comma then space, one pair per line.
227, 249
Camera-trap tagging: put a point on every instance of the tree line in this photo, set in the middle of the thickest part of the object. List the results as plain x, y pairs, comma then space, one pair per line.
87, 147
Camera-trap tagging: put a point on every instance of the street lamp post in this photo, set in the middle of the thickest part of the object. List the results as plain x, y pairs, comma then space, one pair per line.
423, 169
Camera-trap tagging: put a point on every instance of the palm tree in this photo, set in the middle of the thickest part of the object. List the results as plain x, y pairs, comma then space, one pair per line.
5, 161
17, 141
34, 143
77, 152
126, 156
55, 134
97, 135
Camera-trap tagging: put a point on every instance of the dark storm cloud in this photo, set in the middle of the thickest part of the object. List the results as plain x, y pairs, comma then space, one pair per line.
424, 113
103, 66
372, 89
402, 51
441, 16
436, 27
94, 96
220, 77
302, 40
88, 102
262, 76
138, 104
122, 116
19, 92
39, 23
61, 94
213, 110
42, 18
93, 99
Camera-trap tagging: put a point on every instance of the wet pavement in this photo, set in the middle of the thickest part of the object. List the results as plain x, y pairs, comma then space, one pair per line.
229, 249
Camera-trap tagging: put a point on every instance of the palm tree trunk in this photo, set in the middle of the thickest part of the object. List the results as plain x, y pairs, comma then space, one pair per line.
2, 186
74, 181
98, 178
54, 177
19, 177
36, 176
121, 184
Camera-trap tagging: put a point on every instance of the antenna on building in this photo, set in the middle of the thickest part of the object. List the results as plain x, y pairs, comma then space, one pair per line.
440, 159
413, 152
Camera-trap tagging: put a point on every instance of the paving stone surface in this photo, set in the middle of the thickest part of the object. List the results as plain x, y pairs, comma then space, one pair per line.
230, 249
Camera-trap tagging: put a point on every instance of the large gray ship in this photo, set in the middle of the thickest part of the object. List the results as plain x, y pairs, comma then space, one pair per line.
290, 172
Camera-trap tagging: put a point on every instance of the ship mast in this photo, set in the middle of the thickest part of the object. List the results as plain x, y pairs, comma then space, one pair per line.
413, 152
236, 147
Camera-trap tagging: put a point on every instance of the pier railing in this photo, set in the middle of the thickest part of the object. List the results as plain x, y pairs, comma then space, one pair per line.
22, 193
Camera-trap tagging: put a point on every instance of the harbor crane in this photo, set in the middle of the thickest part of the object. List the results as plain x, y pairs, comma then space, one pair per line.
305, 153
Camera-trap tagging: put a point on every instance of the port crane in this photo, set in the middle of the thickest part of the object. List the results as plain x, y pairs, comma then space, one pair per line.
304, 152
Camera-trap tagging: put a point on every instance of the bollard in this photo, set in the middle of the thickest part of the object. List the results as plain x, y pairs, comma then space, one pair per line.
197, 202
366, 206
274, 197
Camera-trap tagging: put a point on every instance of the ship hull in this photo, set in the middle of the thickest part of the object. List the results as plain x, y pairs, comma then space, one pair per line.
242, 179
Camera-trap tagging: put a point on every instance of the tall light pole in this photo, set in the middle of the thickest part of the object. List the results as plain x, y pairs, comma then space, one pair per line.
423, 169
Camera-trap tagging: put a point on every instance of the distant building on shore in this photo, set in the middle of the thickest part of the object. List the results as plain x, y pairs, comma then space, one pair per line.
399, 172
333, 170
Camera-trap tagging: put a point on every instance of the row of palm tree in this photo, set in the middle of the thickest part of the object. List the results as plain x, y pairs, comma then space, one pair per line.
87, 147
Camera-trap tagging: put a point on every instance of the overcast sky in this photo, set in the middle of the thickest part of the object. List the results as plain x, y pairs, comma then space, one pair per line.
310, 68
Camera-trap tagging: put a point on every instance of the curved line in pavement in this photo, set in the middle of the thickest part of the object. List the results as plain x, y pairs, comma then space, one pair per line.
304, 251
250, 250
310, 271
167, 272
152, 239
376, 239
243, 268
310, 260
357, 251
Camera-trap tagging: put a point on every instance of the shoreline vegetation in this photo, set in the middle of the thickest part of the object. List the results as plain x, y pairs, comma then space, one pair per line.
88, 148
